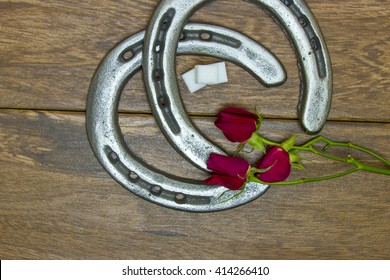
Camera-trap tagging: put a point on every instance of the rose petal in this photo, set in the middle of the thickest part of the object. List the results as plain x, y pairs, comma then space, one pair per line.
232, 183
232, 166
279, 161
240, 111
236, 124
236, 131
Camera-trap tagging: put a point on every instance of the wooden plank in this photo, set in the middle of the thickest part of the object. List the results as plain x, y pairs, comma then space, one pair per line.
50, 49
56, 202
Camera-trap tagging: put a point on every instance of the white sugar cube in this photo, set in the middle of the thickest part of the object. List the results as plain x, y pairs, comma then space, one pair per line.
203, 75
206, 74
190, 81
211, 74
222, 73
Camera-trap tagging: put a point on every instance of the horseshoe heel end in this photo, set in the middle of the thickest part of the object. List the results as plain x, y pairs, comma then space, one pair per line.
300, 25
315, 109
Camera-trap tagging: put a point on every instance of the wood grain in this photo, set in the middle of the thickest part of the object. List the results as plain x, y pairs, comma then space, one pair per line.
56, 202
50, 49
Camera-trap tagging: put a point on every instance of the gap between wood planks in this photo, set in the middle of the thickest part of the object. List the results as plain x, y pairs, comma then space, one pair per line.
195, 115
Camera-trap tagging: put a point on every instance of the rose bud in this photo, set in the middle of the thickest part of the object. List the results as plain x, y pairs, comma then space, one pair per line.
278, 162
229, 172
237, 124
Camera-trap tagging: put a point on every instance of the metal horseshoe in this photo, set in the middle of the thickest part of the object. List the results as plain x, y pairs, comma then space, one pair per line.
107, 140
165, 31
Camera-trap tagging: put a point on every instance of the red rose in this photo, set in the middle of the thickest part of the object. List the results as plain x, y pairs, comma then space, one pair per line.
229, 172
237, 125
232, 183
278, 162
232, 166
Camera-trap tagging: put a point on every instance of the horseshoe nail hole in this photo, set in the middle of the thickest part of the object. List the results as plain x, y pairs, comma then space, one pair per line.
128, 55
165, 23
168, 17
205, 36
180, 198
156, 190
171, 13
133, 176
167, 20
162, 102
158, 47
288, 3
315, 43
113, 157
303, 21
157, 75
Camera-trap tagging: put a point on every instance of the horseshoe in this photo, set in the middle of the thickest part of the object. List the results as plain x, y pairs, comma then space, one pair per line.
107, 140
224, 44
165, 30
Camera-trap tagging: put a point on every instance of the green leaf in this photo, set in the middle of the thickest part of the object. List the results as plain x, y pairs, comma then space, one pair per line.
259, 121
254, 170
256, 142
298, 166
287, 145
294, 157
253, 178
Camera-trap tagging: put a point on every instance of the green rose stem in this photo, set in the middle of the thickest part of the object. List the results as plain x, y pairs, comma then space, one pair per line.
331, 143
308, 146
259, 142
253, 178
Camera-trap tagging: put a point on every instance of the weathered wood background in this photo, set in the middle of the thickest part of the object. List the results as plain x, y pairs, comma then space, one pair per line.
56, 201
